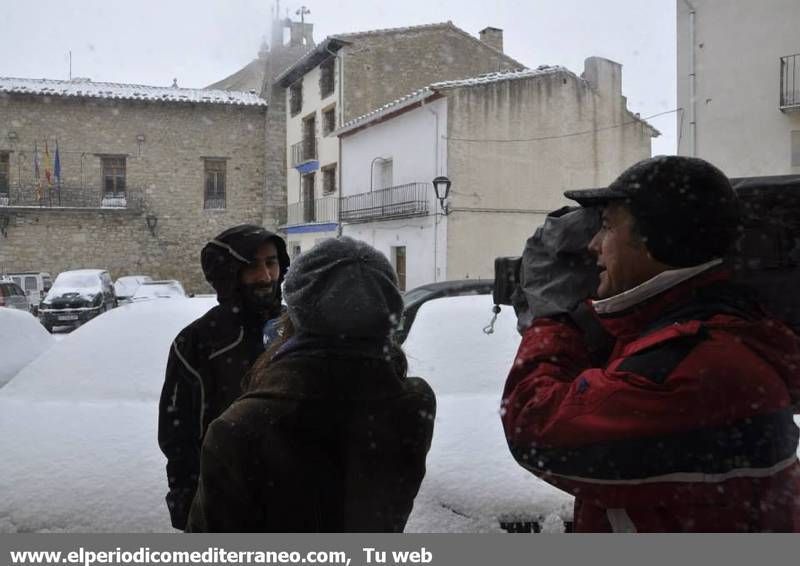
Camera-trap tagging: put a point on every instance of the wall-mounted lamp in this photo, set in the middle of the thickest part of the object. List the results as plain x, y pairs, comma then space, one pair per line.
4, 220
441, 185
139, 142
12, 137
152, 222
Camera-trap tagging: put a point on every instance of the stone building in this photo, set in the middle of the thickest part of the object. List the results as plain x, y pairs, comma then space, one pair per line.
148, 175
739, 85
511, 143
348, 75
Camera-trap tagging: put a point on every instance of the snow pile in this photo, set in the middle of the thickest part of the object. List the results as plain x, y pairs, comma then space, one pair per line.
83, 417
472, 481
23, 339
120, 355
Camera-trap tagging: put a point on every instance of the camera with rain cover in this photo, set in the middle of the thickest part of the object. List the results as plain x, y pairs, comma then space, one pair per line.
506, 279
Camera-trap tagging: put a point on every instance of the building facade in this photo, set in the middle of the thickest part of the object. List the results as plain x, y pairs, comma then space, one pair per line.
511, 144
147, 175
348, 75
739, 85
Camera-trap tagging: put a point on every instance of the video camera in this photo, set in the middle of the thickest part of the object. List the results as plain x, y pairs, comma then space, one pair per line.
506, 279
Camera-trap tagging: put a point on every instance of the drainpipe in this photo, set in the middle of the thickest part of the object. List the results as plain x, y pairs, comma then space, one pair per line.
692, 83
435, 214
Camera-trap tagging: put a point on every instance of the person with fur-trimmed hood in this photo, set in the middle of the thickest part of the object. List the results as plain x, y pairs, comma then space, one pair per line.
209, 358
330, 434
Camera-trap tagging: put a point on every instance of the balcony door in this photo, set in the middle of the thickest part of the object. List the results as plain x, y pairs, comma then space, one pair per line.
308, 198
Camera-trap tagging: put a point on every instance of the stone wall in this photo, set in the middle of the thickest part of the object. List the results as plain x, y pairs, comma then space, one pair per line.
167, 169
383, 66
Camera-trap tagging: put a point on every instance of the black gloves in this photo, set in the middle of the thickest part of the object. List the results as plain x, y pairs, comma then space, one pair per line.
557, 271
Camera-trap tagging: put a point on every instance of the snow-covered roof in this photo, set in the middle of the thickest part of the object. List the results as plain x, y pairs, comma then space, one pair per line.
432, 89
85, 88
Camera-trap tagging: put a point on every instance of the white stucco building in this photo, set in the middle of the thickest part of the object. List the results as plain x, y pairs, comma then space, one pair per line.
739, 84
510, 142
348, 75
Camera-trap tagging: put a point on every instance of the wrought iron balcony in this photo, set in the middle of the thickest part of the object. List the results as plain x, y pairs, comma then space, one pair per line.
790, 83
303, 151
67, 197
317, 211
410, 199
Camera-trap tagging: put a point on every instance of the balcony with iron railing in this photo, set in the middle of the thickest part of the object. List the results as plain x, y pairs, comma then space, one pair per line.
304, 151
67, 197
399, 201
790, 83
318, 211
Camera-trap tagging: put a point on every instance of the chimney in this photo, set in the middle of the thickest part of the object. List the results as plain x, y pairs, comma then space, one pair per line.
493, 37
604, 75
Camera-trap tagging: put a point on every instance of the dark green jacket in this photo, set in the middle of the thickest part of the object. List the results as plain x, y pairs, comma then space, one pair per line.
319, 444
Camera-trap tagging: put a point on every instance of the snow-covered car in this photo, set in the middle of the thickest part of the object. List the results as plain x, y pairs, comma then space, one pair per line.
472, 483
22, 340
418, 296
83, 419
126, 286
76, 297
167, 289
12, 296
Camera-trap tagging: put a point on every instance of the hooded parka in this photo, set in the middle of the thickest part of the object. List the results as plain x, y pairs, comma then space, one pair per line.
208, 360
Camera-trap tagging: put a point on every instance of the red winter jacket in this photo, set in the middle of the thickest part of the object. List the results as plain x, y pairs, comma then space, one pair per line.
687, 427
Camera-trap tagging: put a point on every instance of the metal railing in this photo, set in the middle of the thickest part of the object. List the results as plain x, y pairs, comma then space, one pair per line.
410, 199
317, 211
303, 151
71, 197
790, 82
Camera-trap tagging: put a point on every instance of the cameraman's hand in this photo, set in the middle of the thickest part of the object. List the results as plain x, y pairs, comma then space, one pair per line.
557, 272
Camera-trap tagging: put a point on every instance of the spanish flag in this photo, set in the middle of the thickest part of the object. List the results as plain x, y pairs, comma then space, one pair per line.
48, 165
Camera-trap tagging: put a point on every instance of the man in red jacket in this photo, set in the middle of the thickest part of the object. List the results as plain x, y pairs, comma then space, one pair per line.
688, 424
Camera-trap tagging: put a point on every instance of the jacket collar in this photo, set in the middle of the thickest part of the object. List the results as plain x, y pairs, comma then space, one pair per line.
633, 310
312, 377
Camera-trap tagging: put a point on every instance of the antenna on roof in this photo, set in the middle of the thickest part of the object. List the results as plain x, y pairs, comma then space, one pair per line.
302, 13
70, 64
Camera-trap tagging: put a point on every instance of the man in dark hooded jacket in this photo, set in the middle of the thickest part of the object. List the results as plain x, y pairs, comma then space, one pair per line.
208, 359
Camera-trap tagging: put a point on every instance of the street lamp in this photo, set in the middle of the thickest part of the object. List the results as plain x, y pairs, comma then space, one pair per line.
152, 222
441, 185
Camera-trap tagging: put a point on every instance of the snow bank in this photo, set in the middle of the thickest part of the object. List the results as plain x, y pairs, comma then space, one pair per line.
84, 417
120, 355
22, 339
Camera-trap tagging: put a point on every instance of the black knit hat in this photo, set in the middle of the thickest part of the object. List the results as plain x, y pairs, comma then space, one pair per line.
223, 257
343, 287
685, 208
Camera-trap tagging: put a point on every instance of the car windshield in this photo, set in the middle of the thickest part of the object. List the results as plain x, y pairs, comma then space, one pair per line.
76, 281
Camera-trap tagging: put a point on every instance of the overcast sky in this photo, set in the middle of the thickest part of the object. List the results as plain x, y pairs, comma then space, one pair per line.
201, 41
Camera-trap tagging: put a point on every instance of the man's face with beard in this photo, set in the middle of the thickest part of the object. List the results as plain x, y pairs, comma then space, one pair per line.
259, 279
